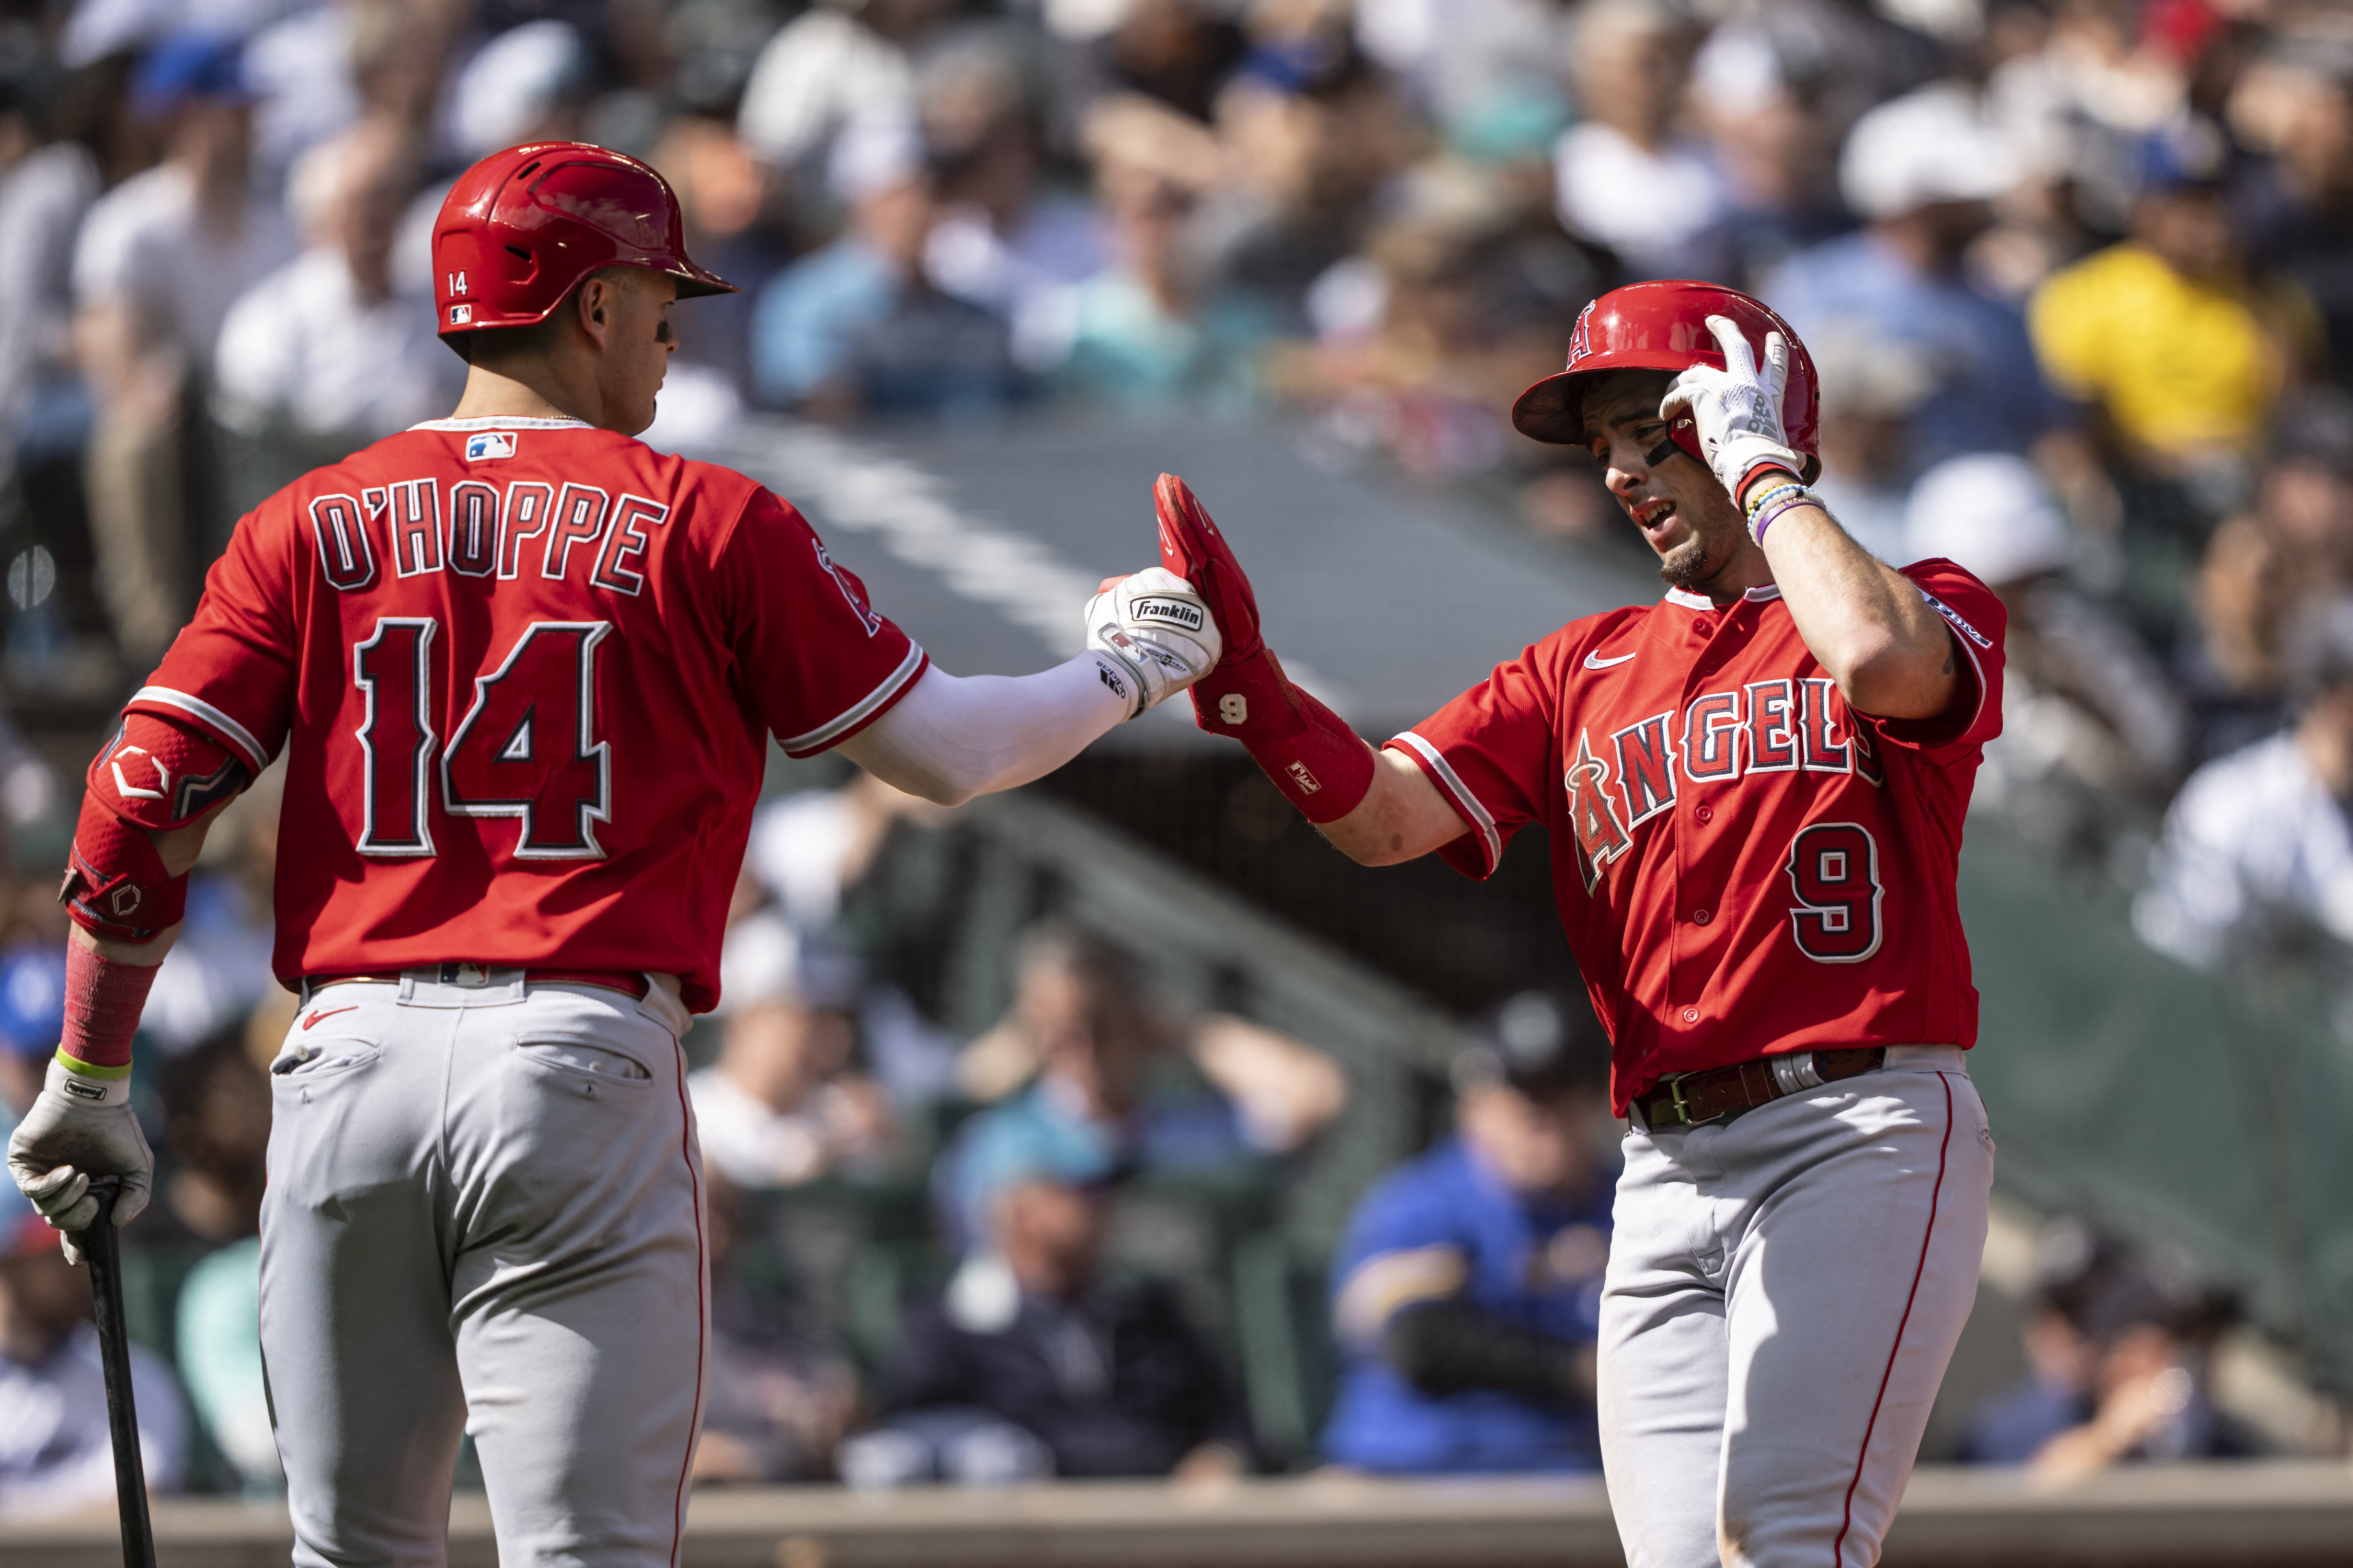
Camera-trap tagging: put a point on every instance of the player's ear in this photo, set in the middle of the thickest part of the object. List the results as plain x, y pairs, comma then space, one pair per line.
594, 300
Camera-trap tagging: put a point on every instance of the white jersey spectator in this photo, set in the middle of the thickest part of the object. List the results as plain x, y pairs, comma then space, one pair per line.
43, 194
1464, 57
524, 85
778, 1107
146, 244
2082, 697
161, 259
179, 242
1624, 176
301, 68
327, 343
2258, 841
821, 71
2253, 835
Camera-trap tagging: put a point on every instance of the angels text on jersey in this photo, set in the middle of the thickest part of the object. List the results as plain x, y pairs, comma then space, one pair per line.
1640, 771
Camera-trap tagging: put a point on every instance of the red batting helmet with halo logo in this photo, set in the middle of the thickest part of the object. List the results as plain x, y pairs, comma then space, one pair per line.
524, 228
1663, 326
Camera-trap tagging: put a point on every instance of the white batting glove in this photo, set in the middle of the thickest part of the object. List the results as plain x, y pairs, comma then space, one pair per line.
1158, 631
80, 1127
1737, 408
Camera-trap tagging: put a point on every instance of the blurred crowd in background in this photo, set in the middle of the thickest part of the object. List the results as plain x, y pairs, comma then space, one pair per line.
2077, 278
1055, 1248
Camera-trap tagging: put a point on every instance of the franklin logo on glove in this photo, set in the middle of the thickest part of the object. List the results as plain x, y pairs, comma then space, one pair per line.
1181, 614
1154, 628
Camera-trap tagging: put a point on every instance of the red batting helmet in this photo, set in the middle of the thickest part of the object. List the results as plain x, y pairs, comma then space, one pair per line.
1663, 326
524, 228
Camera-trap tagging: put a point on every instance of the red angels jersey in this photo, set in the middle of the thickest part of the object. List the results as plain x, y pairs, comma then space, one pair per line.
523, 672
1744, 865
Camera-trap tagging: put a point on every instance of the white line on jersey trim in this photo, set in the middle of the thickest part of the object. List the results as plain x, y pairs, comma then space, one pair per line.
501, 422
1975, 663
824, 734
235, 734
1465, 803
1689, 600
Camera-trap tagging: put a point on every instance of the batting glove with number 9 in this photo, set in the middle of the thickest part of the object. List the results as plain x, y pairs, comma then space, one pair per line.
1158, 630
1738, 409
79, 1127
1305, 749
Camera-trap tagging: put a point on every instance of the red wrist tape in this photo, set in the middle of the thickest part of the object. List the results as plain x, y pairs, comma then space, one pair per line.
1321, 765
103, 1001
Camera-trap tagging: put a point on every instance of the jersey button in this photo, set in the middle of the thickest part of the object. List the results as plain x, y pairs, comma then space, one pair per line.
1705, 812
1701, 917
1690, 1015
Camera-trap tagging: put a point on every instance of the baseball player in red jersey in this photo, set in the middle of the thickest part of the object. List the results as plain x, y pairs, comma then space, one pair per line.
1755, 791
524, 671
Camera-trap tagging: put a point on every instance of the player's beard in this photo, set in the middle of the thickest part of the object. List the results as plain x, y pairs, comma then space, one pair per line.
1685, 566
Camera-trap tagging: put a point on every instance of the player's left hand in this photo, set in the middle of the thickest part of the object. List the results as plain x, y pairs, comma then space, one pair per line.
78, 1128
1159, 630
1738, 408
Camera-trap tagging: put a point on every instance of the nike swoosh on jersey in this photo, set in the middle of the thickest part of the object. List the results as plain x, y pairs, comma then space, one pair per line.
1595, 661
329, 1013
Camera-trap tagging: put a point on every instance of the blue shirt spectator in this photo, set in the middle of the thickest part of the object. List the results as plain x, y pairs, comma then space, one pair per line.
1468, 1291
856, 328
1091, 1081
1989, 394
2118, 1348
847, 326
1177, 1125
1922, 171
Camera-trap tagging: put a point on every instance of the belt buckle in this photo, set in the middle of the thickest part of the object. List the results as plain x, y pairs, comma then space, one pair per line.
1677, 1103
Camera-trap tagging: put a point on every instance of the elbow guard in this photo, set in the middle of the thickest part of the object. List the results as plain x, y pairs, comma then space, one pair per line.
153, 776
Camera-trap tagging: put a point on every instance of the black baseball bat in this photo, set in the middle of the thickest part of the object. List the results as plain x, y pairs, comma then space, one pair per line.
101, 1248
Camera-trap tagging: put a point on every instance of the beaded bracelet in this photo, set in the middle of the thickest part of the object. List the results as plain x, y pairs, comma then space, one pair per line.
1763, 497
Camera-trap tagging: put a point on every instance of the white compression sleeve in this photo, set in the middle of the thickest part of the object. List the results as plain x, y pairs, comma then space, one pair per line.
953, 736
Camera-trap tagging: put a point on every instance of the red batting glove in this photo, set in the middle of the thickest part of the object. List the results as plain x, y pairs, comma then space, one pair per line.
1313, 757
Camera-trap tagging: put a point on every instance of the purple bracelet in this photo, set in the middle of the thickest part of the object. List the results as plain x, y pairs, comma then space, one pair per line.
1765, 518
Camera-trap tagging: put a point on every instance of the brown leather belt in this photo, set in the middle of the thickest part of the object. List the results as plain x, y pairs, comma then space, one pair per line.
1690, 1098
457, 974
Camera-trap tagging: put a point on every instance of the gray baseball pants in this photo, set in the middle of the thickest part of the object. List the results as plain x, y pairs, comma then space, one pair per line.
1783, 1294
484, 1214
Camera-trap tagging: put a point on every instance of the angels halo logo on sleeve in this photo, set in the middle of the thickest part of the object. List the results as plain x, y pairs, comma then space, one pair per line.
486, 443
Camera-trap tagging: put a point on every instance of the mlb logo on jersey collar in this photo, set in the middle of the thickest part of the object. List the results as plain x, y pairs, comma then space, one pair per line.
485, 444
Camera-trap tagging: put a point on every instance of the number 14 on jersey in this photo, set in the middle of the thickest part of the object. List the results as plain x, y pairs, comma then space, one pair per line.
527, 748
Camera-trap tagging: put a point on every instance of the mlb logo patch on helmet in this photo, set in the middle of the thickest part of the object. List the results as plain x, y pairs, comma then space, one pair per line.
484, 444
460, 314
